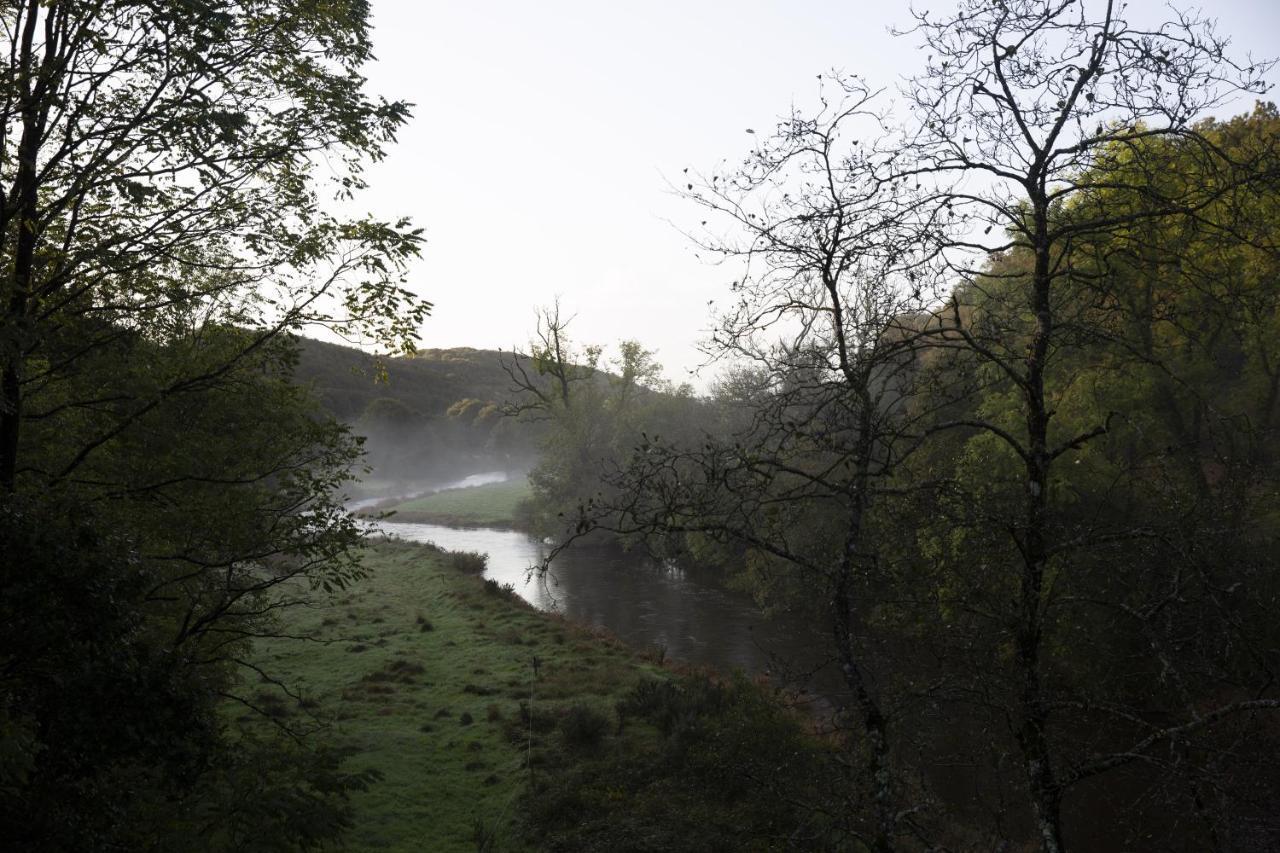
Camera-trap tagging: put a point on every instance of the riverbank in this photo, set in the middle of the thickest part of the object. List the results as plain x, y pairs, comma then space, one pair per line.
492, 723
421, 671
489, 505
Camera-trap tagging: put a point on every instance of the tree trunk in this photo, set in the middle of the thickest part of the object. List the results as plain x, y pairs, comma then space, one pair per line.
1032, 738
872, 717
24, 197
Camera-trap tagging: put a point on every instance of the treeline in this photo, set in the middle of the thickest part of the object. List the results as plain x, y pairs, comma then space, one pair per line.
1003, 416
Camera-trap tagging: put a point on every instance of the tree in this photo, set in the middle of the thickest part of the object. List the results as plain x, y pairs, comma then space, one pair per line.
821, 326
1030, 99
165, 228
559, 367
160, 159
1148, 671
948, 409
141, 587
112, 737
593, 414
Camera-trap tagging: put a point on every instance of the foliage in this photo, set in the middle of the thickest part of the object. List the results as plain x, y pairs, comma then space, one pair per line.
1004, 412
1170, 503
729, 770
160, 161
113, 740
164, 231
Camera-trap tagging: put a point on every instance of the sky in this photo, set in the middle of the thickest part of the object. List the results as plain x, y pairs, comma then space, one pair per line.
546, 138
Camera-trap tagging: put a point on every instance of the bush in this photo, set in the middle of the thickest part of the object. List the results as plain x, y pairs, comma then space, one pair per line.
721, 768
504, 590
469, 562
583, 727
77, 636
669, 705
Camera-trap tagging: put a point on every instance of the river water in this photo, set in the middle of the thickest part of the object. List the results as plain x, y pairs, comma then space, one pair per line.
647, 604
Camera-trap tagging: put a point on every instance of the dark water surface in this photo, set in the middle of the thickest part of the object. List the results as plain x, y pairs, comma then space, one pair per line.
647, 604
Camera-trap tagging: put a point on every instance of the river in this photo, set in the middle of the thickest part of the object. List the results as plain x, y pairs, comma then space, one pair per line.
647, 604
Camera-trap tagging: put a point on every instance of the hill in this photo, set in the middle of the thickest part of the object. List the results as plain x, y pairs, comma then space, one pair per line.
432, 418
427, 383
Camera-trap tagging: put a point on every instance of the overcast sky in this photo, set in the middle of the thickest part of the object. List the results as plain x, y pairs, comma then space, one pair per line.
544, 135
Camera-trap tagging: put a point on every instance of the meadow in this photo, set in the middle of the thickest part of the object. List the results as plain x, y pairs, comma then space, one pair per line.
491, 505
432, 677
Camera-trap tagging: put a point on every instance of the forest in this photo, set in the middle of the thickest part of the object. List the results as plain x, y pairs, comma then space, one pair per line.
996, 412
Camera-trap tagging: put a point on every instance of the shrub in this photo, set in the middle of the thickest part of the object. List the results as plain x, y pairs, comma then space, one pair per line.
583, 727
468, 562
670, 705
492, 587
723, 768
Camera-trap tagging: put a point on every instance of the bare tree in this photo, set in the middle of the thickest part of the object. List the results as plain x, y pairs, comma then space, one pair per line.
557, 366
822, 331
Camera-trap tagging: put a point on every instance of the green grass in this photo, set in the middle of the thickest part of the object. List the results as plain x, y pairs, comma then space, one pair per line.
492, 505
407, 658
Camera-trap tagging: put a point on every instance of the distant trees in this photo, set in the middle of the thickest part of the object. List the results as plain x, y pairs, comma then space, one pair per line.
592, 413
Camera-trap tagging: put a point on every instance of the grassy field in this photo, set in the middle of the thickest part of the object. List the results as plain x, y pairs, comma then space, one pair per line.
493, 505
422, 672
